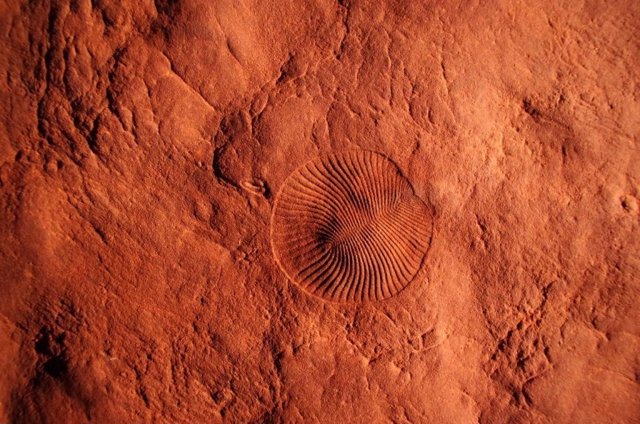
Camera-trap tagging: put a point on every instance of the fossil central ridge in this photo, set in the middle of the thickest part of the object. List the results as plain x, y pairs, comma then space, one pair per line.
349, 227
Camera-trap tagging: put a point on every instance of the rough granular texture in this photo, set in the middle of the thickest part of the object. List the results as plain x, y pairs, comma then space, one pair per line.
349, 227
143, 145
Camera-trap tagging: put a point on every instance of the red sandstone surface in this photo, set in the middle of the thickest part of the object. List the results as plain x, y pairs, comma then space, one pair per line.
142, 148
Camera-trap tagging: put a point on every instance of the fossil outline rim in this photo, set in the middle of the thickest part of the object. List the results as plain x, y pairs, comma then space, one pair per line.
344, 272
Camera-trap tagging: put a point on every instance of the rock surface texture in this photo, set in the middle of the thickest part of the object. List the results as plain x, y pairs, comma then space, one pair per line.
142, 149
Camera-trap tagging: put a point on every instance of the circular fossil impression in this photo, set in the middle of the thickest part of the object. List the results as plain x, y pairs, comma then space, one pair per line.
348, 227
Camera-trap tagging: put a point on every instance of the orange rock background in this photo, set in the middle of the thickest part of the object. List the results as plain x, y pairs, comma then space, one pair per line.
142, 145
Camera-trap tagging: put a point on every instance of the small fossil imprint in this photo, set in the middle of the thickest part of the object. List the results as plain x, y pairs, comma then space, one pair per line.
349, 227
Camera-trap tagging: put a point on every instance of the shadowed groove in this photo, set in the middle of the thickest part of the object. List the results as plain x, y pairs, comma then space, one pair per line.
379, 276
319, 268
403, 241
336, 270
398, 252
317, 261
341, 200
322, 274
321, 289
307, 206
391, 274
344, 196
343, 289
348, 227
355, 286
